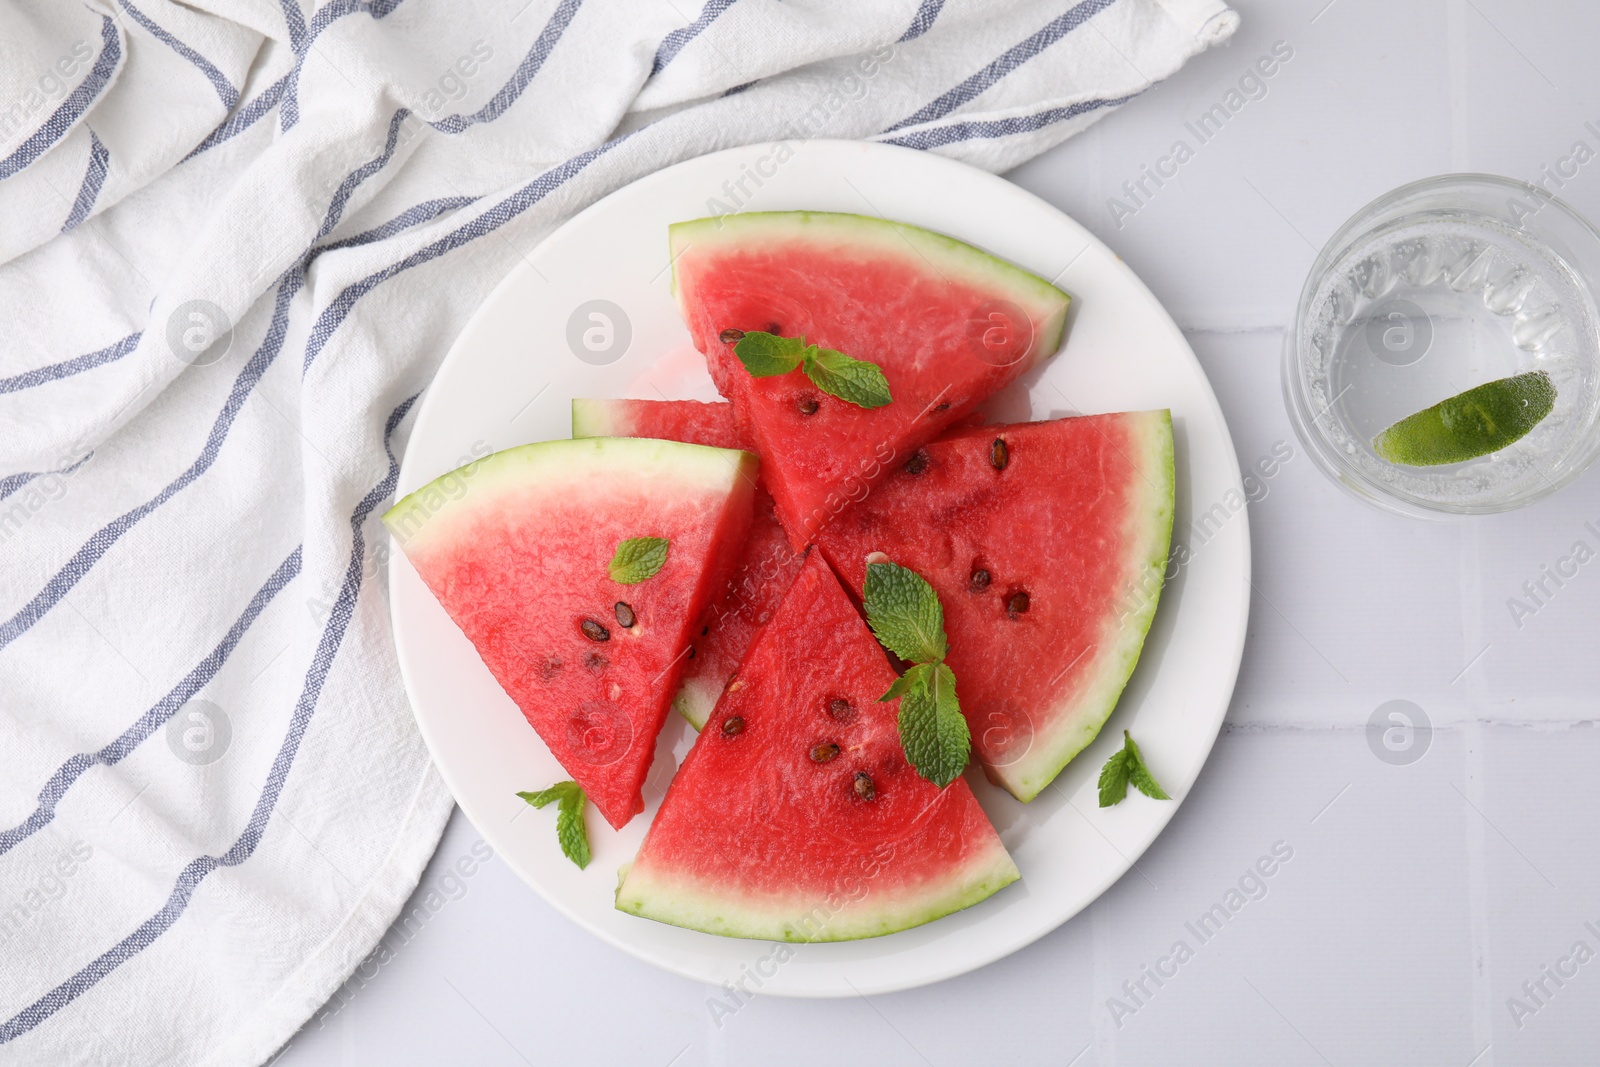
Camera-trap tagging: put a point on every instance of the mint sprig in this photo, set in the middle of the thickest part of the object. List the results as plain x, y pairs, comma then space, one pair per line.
1126, 766
637, 559
570, 830
905, 614
857, 381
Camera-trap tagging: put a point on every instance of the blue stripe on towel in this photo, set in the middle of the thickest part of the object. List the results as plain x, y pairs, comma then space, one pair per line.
295, 22
978, 130
537, 54
1010, 60
674, 42
68, 367
225, 90
93, 178
415, 215
922, 21
12, 482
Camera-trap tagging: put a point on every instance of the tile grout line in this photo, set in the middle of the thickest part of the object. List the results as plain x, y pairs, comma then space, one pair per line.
1475, 833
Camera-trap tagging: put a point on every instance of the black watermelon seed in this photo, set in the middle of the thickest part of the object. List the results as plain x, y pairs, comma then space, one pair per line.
625, 616
999, 454
691, 652
979, 580
917, 463
774, 329
732, 726
704, 630
841, 709
807, 405
1016, 604
730, 335
594, 631
864, 787
943, 407
824, 752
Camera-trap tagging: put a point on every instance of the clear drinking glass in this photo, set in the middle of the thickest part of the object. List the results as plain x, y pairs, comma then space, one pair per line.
1434, 288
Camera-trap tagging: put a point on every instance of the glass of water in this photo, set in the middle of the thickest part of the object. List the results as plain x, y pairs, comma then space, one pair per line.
1432, 289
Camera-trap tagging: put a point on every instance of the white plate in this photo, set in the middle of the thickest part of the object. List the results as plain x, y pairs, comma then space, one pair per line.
508, 380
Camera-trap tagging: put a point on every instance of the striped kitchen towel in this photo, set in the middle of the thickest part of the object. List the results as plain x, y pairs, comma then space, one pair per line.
236, 239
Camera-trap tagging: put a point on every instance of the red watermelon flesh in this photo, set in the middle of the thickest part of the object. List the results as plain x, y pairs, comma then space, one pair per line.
1047, 544
947, 324
766, 564
516, 547
796, 817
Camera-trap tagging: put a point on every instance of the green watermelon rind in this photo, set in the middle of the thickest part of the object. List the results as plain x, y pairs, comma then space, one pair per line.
924, 249
1150, 527
722, 910
599, 418
560, 467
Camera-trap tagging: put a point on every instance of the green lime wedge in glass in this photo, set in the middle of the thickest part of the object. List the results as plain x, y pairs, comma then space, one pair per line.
1481, 420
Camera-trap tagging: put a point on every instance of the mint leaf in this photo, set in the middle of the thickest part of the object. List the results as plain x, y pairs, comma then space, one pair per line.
1127, 765
904, 613
903, 683
854, 380
1114, 778
570, 830
1139, 774
638, 558
540, 797
766, 355
933, 731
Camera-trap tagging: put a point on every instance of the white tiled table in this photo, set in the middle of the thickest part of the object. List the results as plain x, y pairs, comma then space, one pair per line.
1419, 898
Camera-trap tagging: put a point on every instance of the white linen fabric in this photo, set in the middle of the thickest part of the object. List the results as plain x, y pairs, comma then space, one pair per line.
236, 239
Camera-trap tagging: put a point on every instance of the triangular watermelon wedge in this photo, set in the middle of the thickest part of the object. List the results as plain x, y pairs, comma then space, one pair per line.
946, 323
516, 547
796, 817
1047, 544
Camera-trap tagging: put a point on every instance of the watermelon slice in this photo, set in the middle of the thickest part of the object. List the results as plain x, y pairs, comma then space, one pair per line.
516, 546
947, 324
1047, 543
765, 566
796, 817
